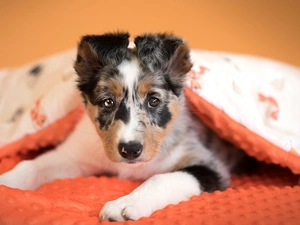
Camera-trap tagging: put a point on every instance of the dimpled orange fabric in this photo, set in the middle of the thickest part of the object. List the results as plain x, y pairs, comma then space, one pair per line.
270, 196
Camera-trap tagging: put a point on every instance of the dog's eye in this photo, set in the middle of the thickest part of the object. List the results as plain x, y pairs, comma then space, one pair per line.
108, 103
153, 102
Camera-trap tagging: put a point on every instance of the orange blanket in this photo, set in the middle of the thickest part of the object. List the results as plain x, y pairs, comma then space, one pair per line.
268, 197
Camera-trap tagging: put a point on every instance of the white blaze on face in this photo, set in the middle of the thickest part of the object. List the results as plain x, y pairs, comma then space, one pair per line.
130, 69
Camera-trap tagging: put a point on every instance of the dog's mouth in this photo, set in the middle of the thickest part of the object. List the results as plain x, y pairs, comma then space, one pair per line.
132, 163
137, 161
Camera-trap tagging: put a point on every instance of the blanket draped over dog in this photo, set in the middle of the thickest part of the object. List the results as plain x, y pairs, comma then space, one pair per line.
252, 102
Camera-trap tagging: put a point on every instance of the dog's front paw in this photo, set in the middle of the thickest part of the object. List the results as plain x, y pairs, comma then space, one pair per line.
125, 208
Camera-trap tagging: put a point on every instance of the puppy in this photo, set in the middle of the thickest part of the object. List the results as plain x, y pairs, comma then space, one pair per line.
137, 126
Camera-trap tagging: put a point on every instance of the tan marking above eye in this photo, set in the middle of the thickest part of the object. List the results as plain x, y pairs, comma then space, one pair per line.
145, 86
114, 86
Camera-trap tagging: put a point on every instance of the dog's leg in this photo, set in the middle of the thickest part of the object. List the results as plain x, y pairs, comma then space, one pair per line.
31, 174
76, 156
155, 193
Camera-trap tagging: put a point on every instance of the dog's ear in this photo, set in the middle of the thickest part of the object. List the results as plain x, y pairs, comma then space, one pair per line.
110, 48
96, 51
166, 53
155, 50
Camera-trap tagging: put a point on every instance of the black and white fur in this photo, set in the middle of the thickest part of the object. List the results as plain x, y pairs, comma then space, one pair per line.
137, 126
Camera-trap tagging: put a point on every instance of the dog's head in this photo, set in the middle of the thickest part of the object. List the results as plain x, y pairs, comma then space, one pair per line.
132, 94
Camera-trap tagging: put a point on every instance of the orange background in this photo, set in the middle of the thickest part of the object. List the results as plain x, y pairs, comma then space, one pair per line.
33, 29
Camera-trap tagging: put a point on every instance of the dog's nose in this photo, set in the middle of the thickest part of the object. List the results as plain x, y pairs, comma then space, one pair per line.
130, 150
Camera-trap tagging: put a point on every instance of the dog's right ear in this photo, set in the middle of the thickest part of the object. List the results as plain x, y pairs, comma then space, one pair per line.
166, 53
96, 51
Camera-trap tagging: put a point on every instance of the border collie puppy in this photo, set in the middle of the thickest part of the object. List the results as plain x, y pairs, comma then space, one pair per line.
137, 126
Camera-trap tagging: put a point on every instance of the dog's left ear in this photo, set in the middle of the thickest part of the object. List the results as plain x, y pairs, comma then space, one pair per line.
166, 53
